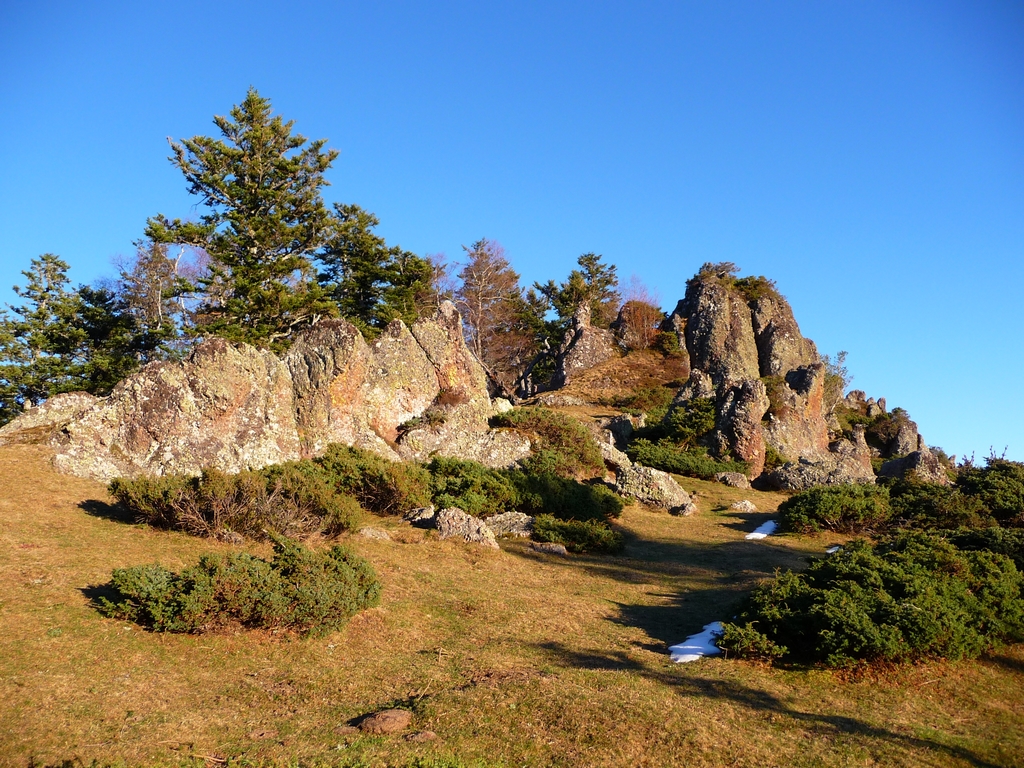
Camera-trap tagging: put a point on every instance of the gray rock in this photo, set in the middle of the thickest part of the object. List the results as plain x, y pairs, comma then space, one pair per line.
920, 465
514, 524
369, 532
831, 470
550, 548
558, 400
421, 517
738, 428
613, 457
623, 426
454, 523
584, 347
654, 488
796, 427
733, 479
42, 423
743, 506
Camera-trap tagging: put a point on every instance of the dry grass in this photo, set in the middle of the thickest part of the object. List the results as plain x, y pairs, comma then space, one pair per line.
511, 657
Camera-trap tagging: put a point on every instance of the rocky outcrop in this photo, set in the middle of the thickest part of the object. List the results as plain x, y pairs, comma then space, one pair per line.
234, 407
454, 523
738, 431
805, 473
780, 345
515, 524
585, 346
921, 465
733, 479
654, 488
796, 424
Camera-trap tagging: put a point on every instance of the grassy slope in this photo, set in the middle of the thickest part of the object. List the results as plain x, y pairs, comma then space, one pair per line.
510, 657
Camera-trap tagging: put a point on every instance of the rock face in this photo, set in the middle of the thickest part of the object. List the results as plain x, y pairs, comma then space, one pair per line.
453, 523
585, 346
746, 352
234, 407
655, 488
920, 465
805, 473
516, 524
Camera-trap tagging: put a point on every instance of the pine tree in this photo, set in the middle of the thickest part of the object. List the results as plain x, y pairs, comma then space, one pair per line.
261, 185
371, 283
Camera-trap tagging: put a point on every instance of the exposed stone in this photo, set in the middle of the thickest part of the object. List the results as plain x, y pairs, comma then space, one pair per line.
584, 347
623, 426
920, 465
501, 405
733, 479
421, 737
699, 385
387, 721
654, 488
719, 331
906, 440
738, 429
421, 517
780, 345
454, 523
796, 426
42, 423
550, 548
745, 506
516, 524
225, 406
805, 473
369, 532
855, 453
558, 400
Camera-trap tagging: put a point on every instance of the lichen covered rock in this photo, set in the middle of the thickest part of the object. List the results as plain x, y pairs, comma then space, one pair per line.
454, 523
654, 488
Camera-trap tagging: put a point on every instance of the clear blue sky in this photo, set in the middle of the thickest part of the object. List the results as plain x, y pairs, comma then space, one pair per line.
868, 156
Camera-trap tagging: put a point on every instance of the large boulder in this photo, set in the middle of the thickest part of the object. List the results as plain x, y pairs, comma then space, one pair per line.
585, 346
922, 465
780, 345
225, 406
233, 407
805, 473
454, 523
796, 423
738, 430
654, 488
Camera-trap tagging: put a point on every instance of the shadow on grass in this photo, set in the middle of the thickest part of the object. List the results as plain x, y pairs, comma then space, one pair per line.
747, 522
115, 512
1008, 663
694, 686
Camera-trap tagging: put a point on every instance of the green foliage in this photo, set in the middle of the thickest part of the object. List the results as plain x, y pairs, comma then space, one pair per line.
564, 498
651, 401
292, 499
667, 343
837, 379
669, 457
999, 486
578, 536
381, 486
372, 283
1002, 541
772, 458
562, 445
914, 597
472, 487
688, 423
64, 341
838, 508
265, 218
299, 589
883, 428
928, 506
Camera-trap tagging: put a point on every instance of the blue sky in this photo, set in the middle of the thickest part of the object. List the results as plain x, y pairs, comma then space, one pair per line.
868, 156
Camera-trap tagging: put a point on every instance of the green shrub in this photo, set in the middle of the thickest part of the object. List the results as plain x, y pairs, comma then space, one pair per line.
999, 486
928, 506
667, 343
839, 508
773, 459
564, 498
565, 445
578, 535
381, 486
916, 596
667, 456
652, 401
292, 499
1002, 541
472, 487
299, 589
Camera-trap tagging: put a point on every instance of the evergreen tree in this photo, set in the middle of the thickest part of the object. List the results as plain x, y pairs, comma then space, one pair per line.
61, 340
594, 283
371, 283
266, 218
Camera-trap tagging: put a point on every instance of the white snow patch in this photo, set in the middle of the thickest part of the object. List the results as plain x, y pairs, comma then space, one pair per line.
699, 645
764, 531
833, 550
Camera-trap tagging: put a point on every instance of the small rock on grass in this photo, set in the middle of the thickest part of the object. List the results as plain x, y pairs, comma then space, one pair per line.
421, 737
387, 721
369, 532
550, 548
743, 506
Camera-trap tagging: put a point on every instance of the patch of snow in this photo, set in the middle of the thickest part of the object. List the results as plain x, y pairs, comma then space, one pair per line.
764, 531
833, 550
697, 646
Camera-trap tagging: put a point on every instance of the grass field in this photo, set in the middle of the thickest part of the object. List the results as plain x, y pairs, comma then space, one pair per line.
512, 658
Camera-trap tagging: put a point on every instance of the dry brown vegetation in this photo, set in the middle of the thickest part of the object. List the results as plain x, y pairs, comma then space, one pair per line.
511, 657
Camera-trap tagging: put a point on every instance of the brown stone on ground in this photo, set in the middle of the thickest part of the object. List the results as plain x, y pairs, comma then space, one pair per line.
550, 548
387, 721
346, 730
421, 737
